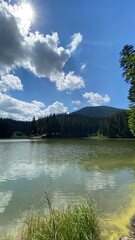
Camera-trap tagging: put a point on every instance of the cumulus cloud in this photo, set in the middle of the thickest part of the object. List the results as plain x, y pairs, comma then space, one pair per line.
56, 108
16, 109
40, 54
10, 82
77, 102
44, 57
67, 81
11, 47
95, 99
83, 66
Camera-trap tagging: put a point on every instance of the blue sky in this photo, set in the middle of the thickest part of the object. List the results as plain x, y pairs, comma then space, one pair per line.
59, 56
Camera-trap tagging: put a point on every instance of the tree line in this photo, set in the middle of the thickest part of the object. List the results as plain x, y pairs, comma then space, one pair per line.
10, 128
68, 125
81, 126
116, 126
65, 125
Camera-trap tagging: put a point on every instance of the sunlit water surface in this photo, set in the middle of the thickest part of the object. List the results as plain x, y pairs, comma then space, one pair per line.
71, 169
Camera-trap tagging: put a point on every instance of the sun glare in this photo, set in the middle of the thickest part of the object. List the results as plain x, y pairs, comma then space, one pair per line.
25, 16
26, 12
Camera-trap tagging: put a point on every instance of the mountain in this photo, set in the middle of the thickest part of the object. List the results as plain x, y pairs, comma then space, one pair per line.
97, 112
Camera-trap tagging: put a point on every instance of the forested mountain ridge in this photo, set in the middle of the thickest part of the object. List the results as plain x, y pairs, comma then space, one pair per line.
97, 112
69, 125
72, 125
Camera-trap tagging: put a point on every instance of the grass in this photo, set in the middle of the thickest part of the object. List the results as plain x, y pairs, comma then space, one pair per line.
77, 222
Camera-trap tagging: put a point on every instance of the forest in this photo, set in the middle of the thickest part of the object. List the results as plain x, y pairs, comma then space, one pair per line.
68, 125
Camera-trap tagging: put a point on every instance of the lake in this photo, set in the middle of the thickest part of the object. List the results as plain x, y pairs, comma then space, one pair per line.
70, 170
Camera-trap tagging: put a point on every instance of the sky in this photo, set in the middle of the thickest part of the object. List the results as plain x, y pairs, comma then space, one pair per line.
59, 56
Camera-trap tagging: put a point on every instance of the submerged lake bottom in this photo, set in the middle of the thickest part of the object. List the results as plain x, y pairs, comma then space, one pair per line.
71, 170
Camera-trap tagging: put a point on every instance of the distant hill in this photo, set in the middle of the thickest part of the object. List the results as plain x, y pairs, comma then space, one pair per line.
97, 112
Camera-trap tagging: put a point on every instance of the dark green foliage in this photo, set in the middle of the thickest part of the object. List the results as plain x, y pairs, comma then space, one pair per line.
131, 120
73, 125
9, 127
20, 126
5, 128
68, 125
33, 127
127, 63
116, 126
97, 112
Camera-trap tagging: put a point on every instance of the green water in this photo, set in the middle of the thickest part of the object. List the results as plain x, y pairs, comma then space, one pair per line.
71, 169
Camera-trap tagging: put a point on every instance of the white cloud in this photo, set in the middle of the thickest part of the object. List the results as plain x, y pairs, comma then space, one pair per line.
67, 81
10, 82
76, 40
77, 102
43, 56
40, 54
95, 99
11, 48
83, 66
56, 108
16, 109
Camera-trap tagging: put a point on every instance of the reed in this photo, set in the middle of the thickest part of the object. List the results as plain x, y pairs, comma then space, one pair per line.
77, 222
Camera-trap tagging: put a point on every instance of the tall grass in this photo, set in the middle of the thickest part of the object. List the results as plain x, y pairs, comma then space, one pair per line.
77, 222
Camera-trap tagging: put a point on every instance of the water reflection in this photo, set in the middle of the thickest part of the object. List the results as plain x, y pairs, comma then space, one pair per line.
29, 171
99, 180
73, 168
5, 197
